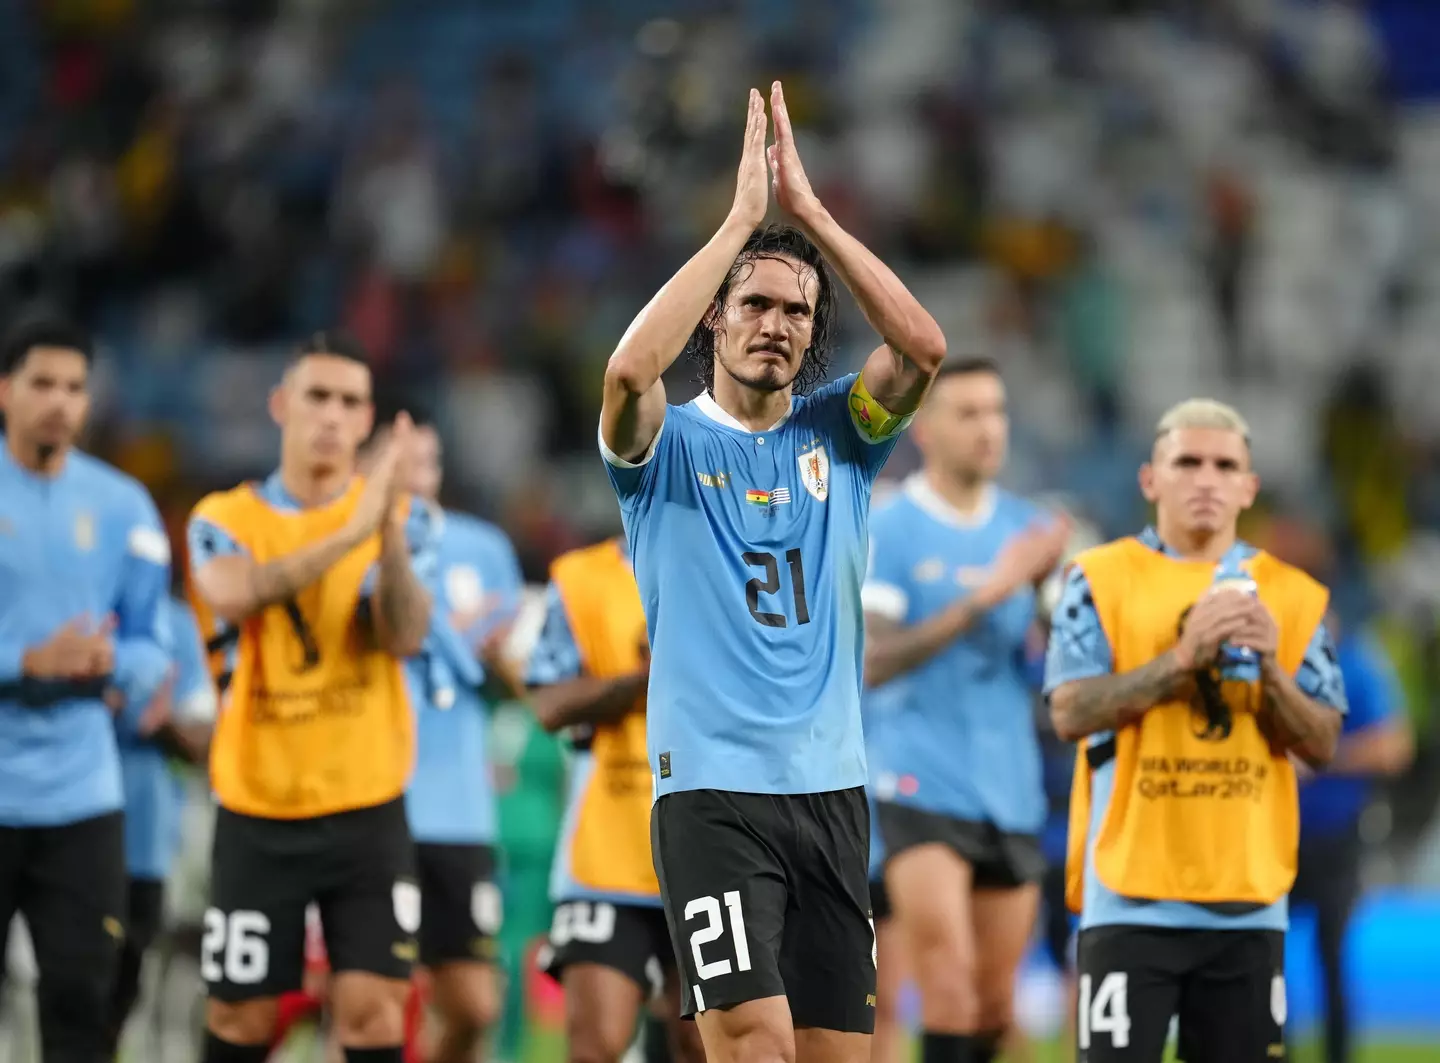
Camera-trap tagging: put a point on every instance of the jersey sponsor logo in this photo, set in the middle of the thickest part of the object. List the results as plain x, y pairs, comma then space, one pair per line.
84, 532
931, 570
815, 473
778, 497
717, 479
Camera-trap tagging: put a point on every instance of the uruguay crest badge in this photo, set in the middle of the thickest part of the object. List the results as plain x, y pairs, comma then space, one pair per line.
815, 473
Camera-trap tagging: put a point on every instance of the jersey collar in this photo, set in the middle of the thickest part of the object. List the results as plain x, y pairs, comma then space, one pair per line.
706, 404
1241, 551
928, 500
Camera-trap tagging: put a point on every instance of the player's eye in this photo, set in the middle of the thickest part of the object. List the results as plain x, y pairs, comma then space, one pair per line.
798, 310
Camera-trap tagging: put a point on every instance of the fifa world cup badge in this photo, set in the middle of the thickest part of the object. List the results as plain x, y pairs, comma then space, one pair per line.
815, 473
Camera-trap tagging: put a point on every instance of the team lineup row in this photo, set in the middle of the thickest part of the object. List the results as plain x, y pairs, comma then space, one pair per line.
711, 668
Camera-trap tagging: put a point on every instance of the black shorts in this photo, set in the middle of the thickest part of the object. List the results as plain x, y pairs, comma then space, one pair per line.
768, 895
460, 907
359, 869
880, 908
999, 860
69, 882
630, 938
1226, 986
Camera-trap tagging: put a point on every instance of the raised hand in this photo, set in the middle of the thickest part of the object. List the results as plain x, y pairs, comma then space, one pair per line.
382, 482
1028, 558
752, 198
787, 175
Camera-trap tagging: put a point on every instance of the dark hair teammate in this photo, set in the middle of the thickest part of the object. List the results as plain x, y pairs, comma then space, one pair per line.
312, 575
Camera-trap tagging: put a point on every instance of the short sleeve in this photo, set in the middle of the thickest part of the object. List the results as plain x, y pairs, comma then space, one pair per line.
1078, 647
206, 541
556, 657
886, 591
632, 479
1319, 676
874, 429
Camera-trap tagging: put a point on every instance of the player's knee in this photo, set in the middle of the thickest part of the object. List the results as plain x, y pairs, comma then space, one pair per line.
995, 1009
369, 1011
245, 1022
943, 969
470, 1001
595, 1045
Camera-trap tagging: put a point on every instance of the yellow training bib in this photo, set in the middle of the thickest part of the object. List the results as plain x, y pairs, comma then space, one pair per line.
1202, 809
315, 719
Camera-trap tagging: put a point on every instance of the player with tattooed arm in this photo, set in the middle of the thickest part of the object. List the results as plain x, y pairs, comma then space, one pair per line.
1194, 670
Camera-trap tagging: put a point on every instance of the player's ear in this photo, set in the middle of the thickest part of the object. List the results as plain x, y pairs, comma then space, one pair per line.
277, 405
1250, 490
1147, 483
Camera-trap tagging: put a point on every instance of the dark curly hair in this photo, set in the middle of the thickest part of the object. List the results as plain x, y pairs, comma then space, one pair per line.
788, 244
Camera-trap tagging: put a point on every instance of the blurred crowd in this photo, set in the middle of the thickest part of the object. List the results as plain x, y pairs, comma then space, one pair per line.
1126, 202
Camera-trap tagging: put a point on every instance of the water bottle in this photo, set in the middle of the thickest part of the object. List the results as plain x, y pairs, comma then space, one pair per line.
1237, 663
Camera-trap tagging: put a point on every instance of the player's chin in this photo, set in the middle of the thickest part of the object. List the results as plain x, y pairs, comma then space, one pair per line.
766, 373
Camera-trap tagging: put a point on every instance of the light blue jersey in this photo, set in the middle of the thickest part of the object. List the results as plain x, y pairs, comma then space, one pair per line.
476, 584
958, 736
85, 542
1079, 649
749, 550
154, 791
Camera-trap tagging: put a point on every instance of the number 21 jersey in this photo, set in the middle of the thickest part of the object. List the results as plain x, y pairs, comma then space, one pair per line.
750, 551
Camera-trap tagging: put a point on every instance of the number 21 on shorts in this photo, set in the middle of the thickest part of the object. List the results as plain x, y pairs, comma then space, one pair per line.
1104, 1010
709, 907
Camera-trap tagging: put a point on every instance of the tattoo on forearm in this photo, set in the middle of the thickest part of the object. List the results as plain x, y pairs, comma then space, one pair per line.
404, 603
1110, 701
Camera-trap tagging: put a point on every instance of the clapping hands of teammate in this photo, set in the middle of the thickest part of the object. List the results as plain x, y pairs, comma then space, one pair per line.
1258, 631
385, 481
79, 650
1218, 617
787, 176
1026, 559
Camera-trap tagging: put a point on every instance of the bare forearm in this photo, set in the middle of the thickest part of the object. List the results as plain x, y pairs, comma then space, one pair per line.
659, 333
1295, 721
892, 311
891, 651
402, 605
587, 700
260, 586
1108, 702
1383, 750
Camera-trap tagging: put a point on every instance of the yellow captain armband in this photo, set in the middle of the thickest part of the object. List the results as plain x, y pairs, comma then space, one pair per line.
874, 422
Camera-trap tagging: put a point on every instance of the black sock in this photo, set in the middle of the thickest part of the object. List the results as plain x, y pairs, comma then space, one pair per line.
947, 1048
375, 1055
218, 1051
